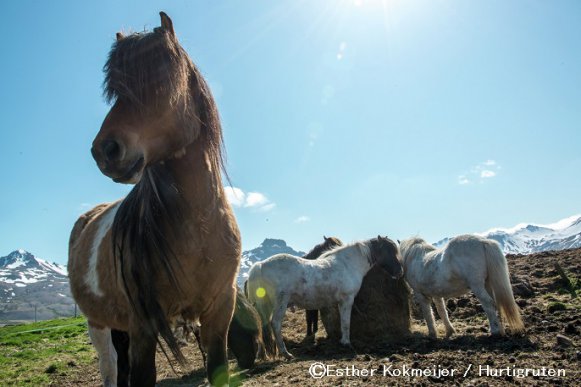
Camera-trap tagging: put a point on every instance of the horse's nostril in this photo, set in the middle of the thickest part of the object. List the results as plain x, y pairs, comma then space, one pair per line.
111, 150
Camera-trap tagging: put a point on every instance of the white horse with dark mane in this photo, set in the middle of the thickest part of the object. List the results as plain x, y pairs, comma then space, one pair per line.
467, 262
333, 279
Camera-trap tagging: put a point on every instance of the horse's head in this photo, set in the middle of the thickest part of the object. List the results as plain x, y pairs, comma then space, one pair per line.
327, 244
149, 78
386, 254
330, 243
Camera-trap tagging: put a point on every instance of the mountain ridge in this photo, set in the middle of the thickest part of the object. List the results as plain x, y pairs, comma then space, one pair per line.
528, 238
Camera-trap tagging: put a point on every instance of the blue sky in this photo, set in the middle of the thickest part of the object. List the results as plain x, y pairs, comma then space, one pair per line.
347, 118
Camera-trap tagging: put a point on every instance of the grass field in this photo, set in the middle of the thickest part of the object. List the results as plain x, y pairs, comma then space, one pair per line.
37, 354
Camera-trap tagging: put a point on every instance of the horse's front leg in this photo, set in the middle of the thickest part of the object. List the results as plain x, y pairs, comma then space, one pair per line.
426, 306
121, 343
277, 317
214, 332
101, 339
345, 306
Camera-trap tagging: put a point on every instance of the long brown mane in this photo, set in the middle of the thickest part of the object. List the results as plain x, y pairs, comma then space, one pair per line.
144, 70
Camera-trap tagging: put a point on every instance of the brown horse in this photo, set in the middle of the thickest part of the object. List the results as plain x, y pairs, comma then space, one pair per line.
328, 244
172, 246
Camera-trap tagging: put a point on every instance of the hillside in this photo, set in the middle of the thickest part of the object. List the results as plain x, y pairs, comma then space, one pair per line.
548, 310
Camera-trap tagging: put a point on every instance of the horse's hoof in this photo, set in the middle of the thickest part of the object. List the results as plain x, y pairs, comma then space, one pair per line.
288, 356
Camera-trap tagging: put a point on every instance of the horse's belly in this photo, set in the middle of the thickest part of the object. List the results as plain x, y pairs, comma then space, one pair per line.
446, 289
313, 299
309, 303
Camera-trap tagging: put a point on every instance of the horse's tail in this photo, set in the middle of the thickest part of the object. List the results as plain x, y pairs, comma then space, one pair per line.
499, 281
261, 299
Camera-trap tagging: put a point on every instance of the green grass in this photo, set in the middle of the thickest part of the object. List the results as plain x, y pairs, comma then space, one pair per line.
35, 354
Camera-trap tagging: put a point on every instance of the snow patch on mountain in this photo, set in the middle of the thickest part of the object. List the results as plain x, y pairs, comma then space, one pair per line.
526, 238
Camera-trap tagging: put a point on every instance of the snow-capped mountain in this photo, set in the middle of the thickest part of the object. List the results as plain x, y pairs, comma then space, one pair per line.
266, 249
531, 238
30, 285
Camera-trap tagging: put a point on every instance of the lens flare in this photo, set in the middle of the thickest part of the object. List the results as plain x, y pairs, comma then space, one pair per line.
260, 292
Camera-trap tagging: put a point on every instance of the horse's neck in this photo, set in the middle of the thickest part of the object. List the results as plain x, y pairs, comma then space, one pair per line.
200, 186
420, 261
356, 259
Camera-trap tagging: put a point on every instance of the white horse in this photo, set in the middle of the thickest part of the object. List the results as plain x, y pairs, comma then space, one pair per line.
467, 262
332, 279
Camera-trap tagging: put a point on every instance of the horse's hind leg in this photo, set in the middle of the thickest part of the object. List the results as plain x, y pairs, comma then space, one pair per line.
199, 341
214, 331
101, 339
142, 358
489, 307
443, 313
121, 343
312, 317
277, 317
426, 306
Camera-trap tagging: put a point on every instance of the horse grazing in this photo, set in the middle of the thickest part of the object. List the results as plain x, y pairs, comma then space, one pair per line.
172, 246
244, 335
333, 279
313, 315
467, 262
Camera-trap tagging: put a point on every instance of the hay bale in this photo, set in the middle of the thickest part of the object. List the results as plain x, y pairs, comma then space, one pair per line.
381, 310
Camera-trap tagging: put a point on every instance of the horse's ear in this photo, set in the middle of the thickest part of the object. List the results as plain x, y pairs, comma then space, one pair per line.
325, 238
378, 237
119, 36
166, 23
398, 242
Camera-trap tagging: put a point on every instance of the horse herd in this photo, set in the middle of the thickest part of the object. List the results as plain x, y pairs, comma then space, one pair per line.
171, 248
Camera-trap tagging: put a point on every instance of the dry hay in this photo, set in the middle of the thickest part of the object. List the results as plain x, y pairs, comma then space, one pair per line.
381, 310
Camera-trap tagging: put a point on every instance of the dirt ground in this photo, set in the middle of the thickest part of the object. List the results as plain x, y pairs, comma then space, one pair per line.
548, 311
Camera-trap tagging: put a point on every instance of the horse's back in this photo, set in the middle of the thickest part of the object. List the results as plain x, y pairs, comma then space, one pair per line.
284, 271
468, 247
283, 262
83, 220
468, 242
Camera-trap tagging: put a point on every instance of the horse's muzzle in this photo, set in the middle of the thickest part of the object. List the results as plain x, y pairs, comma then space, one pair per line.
115, 162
